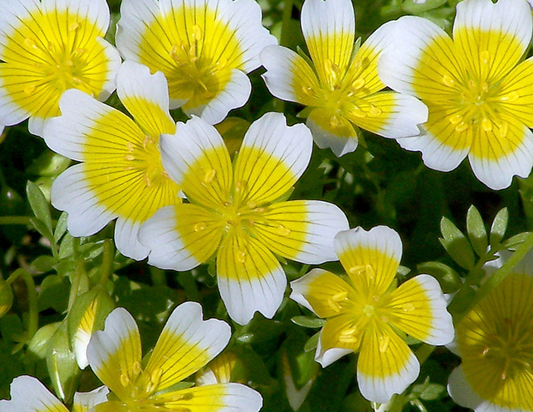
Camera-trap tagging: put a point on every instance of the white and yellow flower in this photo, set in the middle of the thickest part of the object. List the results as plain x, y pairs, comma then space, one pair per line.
365, 313
476, 86
495, 342
47, 47
235, 212
28, 394
341, 87
204, 48
186, 344
120, 174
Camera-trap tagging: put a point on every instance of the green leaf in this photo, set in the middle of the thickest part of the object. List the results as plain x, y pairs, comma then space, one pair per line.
515, 241
311, 343
417, 6
456, 244
448, 278
44, 263
61, 227
54, 293
476, 231
308, 321
42, 228
499, 227
39, 206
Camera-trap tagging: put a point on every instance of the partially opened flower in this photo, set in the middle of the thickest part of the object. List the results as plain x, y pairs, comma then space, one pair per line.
204, 48
28, 394
47, 47
342, 85
495, 342
476, 86
120, 174
186, 344
365, 312
235, 212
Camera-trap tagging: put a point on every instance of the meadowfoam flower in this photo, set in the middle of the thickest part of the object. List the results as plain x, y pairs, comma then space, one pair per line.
120, 174
47, 47
364, 313
341, 86
204, 48
495, 342
478, 89
235, 212
28, 394
186, 344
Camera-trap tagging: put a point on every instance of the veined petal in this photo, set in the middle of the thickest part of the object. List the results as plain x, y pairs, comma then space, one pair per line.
145, 96
492, 37
322, 292
337, 338
235, 94
271, 159
421, 61
28, 394
93, 10
496, 159
181, 237
516, 94
84, 401
462, 393
301, 230
443, 148
371, 258
250, 278
186, 344
332, 131
390, 114
197, 159
386, 365
418, 308
228, 397
110, 406
289, 77
329, 31
115, 353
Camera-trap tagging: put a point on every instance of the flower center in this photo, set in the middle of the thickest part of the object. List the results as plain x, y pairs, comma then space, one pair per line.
146, 160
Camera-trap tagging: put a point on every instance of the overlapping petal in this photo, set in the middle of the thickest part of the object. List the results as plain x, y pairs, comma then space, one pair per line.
386, 365
337, 338
186, 344
339, 135
371, 258
41, 400
271, 159
250, 278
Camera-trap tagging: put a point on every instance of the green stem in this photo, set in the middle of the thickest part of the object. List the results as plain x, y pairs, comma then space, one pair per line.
33, 315
493, 281
286, 20
15, 220
107, 262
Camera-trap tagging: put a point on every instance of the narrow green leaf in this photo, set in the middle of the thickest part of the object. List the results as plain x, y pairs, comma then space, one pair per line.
456, 244
39, 206
311, 343
477, 233
499, 227
308, 322
515, 241
42, 228
61, 227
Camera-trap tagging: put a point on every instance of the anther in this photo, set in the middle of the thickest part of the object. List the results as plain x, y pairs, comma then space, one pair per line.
461, 127
283, 231
408, 307
383, 343
198, 227
359, 83
511, 97
375, 111
486, 124
197, 32
485, 56
74, 26
129, 157
240, 256
209, 176
448, 81
29, 89
340, 296
455, 119
504, 129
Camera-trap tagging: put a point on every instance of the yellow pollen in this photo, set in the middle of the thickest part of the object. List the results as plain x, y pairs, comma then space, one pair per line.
29, 89
79, 50
222, 63
129, 146
74, 26
504, 129
127, 168
368, 310
448, 81
209, 176
197, 32
240, 256
124, 379
408, 307
511, 97
371, 274
252, 205
356, 270
334, 122
283, 231
136, 368
486, 124
340, 296
485, 351
375, 111
384, 319
260, 210
359, 83
461, 127
335, 306
77, 80
129, 157
198, 227
455, 119
348, 335
331, 67
485, 56
383, 343
307, 90
30, 43
357, 112
239, 186
147, 180
69, 63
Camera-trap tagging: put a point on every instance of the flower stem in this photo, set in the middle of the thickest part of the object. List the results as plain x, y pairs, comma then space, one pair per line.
33, 312
15, 220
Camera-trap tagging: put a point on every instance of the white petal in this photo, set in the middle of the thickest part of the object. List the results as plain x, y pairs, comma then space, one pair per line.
498, 173
340, 145
234, 95
28, 394
127, 239
70, 193
84, 401
461, 392
300, 287
327, 357
279, 62
96, 11
11, 14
